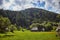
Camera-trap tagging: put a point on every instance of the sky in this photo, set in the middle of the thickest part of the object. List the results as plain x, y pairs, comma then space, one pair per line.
17, 5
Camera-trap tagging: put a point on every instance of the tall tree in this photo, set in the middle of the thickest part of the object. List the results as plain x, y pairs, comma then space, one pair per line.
4, 24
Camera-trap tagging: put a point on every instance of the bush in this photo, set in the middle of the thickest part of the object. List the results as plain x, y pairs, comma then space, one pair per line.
4, 24
34, 25
49, 26
13, 27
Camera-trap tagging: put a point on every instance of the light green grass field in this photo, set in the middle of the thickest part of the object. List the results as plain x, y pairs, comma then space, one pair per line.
18, 35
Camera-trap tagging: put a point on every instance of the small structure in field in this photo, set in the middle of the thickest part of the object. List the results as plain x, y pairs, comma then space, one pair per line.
58, 30
37, 28
34, 29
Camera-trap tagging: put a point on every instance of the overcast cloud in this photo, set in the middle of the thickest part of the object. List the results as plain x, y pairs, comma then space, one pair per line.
17, 5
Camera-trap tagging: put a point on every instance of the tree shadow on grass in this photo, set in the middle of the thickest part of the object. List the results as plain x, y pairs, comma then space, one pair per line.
4, 36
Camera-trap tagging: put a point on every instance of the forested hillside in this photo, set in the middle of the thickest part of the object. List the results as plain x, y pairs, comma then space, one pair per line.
29, 16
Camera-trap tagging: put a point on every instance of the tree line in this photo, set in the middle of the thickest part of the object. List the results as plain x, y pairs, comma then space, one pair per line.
26, 18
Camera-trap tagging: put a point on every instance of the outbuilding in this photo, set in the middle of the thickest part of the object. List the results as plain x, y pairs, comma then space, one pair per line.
58, 31
38, 28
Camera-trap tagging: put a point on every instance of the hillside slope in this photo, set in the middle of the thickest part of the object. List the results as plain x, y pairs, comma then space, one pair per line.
29, 16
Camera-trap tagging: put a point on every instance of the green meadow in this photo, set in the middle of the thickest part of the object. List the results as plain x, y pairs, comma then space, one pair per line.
19, 35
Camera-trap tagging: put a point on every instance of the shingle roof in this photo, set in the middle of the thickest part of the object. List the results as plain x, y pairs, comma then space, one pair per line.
57, 28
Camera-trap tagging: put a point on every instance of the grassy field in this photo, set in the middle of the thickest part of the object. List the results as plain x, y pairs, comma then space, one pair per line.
18, 35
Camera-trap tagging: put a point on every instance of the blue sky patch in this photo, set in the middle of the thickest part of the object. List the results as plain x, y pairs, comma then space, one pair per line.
7, 0
49, 8
41, 4
1, 2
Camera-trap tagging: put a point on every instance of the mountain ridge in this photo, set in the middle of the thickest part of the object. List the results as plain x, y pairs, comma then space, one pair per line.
29, 16
28, 9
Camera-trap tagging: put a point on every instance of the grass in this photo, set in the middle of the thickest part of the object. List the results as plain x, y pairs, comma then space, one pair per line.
18, 35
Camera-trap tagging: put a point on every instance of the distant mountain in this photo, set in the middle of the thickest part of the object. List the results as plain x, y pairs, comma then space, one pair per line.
29, 16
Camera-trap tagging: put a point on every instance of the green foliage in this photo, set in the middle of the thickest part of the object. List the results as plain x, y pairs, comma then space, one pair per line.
13, 26
25, 18
48, 24
58, 16
4, 23
54, 28
34, 25
29, 16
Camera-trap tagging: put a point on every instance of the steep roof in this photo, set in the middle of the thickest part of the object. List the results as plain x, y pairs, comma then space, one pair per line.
34, 28
58, 27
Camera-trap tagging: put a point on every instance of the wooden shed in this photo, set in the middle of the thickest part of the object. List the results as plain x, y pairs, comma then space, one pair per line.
36, 29
58, 30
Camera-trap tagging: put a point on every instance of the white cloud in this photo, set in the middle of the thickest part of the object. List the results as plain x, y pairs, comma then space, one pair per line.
0, 7
52, 3
6, 5
17, 8
28, 6
24, 4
